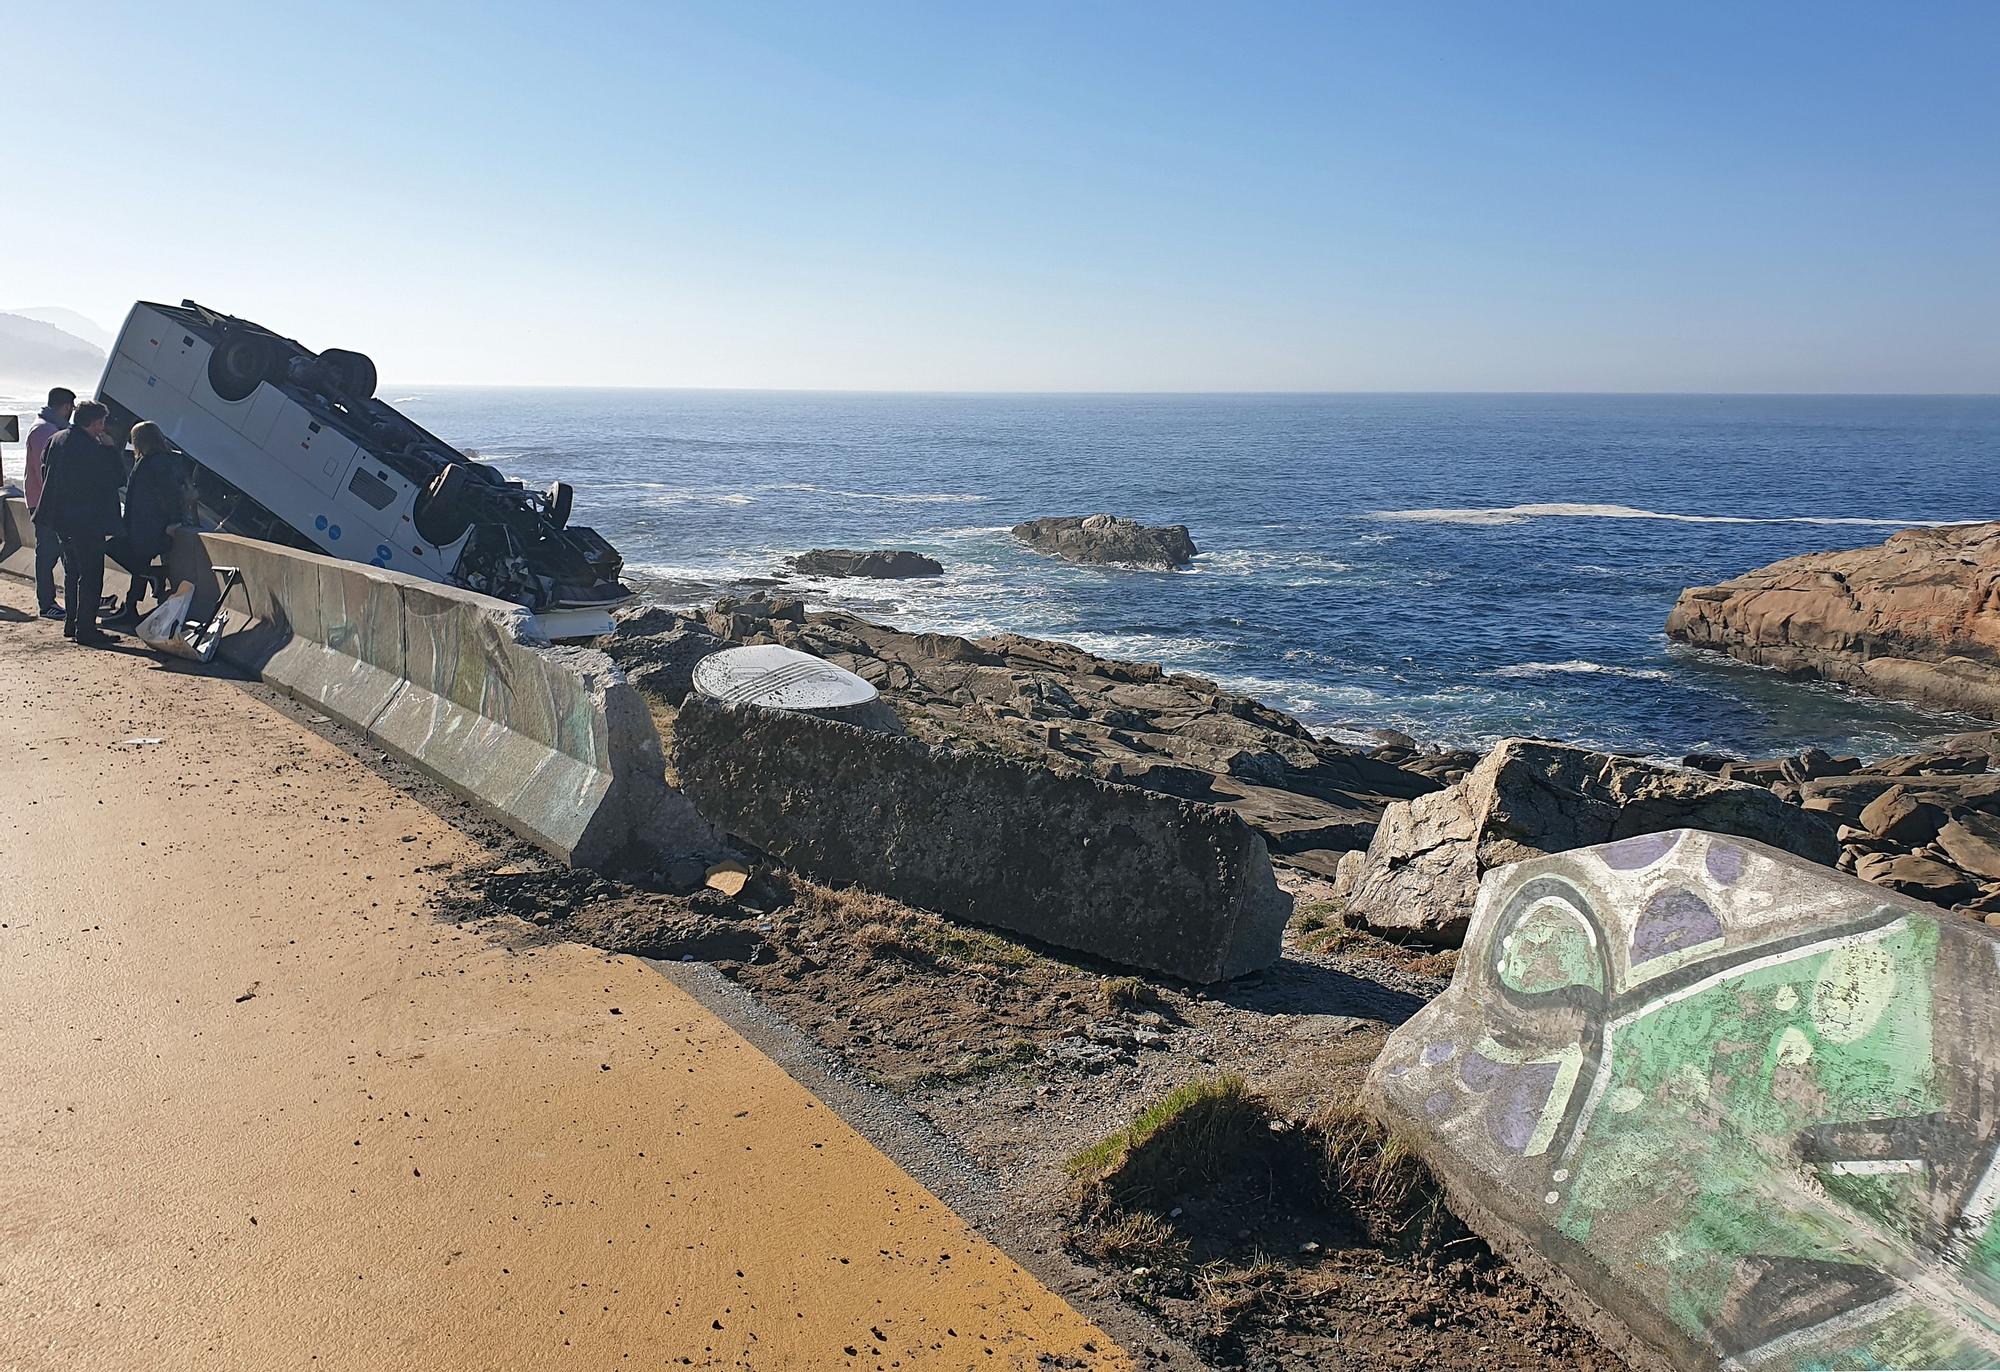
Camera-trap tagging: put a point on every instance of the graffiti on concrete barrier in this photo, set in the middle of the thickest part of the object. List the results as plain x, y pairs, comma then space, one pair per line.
1753, 1096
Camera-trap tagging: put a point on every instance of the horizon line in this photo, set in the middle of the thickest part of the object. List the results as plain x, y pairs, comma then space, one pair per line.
1165, 393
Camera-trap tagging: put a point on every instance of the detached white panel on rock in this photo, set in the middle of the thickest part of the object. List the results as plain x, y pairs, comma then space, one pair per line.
779, 679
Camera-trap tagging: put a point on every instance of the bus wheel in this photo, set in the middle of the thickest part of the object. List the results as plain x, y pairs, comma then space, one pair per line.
239, 364
353, 373
444, 513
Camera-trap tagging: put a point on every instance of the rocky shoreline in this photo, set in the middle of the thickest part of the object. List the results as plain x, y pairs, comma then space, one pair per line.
1915, 618
1050, 703
1402, 831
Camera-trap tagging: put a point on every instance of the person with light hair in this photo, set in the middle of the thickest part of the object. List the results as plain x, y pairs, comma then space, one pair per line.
157, 497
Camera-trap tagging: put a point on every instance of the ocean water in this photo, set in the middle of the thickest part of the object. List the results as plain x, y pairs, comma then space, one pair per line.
1458, 567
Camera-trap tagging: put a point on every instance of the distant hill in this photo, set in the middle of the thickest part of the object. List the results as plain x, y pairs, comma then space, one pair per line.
35, 353
69, 321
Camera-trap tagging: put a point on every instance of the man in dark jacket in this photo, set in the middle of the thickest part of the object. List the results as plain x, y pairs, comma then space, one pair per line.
81, 473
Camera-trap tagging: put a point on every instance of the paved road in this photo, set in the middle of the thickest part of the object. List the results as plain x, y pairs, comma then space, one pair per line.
258, 1110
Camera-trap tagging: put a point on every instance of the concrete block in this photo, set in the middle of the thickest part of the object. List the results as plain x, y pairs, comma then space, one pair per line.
1734, 1109
17, 539
553, 742
1127, 875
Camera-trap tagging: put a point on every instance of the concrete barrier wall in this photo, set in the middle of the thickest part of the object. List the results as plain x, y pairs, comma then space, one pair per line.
1131, 876
17, 547
551, 740
1737, 1109
17, 539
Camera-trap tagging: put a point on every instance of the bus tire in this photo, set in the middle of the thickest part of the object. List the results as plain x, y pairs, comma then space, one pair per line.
239, 364
444, 514
353, 373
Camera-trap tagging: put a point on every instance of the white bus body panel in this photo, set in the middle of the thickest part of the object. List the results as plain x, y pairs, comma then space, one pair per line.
272, 449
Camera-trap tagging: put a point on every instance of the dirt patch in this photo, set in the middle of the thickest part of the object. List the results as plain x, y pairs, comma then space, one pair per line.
1257, 1239
1272, 1241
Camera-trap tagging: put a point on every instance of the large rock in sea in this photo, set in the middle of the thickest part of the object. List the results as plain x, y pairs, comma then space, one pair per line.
893, 564
1107, 539
1916, 617
1421, 872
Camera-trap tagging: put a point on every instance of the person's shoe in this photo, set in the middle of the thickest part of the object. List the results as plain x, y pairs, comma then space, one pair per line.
127, 618
95, 638
54, 612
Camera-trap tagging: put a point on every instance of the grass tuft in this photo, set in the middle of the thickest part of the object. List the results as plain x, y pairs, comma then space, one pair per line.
1230, 1294
1378, 1177
1182, 1139
1323, 928
1125, 993
879, 940
1135, 1237
966, 946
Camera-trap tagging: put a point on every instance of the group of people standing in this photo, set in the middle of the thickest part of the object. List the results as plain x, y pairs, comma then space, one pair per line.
76, 469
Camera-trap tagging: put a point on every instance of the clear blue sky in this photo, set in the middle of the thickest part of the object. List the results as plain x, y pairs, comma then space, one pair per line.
1064, 196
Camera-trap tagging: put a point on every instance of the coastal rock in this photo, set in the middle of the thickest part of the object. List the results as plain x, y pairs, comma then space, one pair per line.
891, 564
1530, 798
1056, 705
1903, 818
659, 651
1809, 765
1925, 824
1944, 762
1920, 877
1916, 617
1972, 843
1107, 539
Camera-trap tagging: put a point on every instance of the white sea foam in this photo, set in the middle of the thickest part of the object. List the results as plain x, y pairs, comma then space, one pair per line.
1145, 647
717, 573
1266, 562
914, 498
657, 494
1517, 514
1577, 666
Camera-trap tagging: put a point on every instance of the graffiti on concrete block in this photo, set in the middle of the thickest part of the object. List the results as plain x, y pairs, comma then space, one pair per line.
1746, 1104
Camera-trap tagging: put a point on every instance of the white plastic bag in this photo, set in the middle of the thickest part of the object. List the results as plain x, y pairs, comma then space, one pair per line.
161, 630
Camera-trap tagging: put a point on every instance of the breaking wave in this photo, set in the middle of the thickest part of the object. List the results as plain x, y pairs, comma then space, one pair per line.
1577, 666
1518, 514
1256, 562
922, 498
692, 497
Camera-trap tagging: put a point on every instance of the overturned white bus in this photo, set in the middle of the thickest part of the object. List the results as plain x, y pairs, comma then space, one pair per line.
292, 446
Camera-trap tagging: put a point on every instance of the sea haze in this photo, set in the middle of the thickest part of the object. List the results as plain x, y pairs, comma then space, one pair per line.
1458, 567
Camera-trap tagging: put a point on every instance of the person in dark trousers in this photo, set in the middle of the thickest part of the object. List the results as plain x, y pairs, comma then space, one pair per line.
81, 473
54, 419
157, 496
